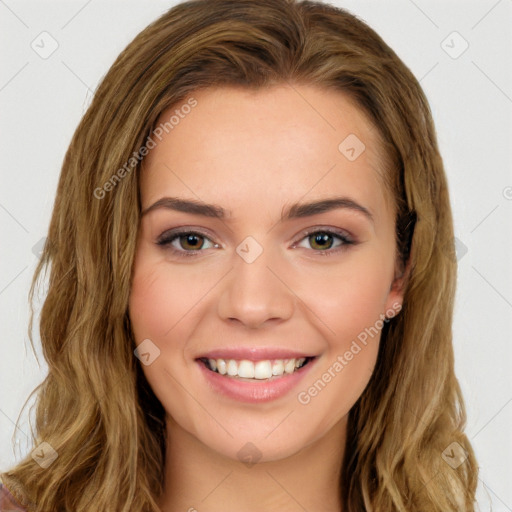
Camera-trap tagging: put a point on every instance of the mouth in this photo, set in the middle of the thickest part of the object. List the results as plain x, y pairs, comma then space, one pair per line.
253, 371
253, 374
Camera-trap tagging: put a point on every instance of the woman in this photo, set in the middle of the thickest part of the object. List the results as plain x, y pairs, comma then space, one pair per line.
252, 279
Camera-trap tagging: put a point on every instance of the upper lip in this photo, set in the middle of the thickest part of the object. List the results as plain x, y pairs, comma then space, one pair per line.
254, 354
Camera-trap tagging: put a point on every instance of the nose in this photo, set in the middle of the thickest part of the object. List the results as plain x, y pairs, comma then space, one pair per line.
256, 293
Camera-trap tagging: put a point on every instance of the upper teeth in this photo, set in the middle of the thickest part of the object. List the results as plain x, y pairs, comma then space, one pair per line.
255, 370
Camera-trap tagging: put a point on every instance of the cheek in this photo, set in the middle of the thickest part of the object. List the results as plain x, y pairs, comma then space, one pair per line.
161, 300
347, 299
156, 306
154, 303
161, 308
165, 306
352, 312
350, 307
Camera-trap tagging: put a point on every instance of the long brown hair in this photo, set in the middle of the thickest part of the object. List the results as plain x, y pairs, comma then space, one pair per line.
95, 407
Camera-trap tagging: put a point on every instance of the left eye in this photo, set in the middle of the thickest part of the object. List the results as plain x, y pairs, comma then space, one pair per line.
322, 239
190, 241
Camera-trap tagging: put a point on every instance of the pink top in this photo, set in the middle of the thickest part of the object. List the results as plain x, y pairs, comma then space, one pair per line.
7, 501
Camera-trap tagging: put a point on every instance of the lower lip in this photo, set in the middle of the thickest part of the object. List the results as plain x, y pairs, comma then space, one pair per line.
254, 392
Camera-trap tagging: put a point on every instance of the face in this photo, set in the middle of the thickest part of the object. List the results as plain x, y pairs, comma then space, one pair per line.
260, 308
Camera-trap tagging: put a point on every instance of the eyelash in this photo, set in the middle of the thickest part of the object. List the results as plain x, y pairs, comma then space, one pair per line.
167, 238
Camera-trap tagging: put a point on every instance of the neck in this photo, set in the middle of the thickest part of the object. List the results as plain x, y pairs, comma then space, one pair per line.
198, 479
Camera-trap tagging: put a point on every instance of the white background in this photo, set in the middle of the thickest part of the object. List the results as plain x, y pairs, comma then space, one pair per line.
42, 101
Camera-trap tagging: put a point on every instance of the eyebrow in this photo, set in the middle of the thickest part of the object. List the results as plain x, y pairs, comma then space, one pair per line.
295, 211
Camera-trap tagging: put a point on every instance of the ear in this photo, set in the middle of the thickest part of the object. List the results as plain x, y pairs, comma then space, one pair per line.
397, 289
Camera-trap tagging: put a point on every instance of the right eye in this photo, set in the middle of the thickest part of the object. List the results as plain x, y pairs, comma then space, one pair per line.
184, 243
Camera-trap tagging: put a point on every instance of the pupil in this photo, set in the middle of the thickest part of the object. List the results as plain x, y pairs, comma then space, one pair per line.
321, 239
192, 240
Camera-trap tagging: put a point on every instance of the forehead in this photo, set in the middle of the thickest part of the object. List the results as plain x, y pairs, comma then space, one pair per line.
277, 145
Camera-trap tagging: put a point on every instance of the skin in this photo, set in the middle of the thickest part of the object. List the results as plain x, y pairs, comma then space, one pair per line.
254, 153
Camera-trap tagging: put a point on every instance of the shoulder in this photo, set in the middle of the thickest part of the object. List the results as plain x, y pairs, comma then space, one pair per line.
7, 501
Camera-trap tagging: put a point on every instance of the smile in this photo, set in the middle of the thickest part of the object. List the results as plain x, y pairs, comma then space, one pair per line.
253, 376
256, 370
